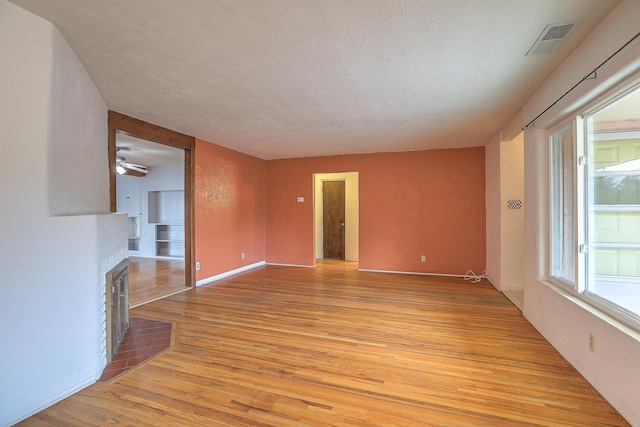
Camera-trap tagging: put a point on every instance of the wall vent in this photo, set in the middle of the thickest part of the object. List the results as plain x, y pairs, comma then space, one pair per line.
514, 204
551, 38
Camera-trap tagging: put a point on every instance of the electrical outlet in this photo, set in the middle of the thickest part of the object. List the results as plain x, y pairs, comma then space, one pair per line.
242, 255
423, 258
197, 265
592, 343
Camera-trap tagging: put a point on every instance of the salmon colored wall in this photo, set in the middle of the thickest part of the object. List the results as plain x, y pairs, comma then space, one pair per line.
416, 203
229, 209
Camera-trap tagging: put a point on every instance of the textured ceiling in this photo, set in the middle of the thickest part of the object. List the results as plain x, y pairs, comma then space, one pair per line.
295, 78
149, 154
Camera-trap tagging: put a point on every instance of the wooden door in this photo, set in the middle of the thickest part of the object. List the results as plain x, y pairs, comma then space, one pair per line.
333, 205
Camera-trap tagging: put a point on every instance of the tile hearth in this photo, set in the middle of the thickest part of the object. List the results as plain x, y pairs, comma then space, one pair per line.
144, 339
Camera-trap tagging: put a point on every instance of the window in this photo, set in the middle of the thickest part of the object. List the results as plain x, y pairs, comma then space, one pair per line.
562, 206
613, 202
595, 205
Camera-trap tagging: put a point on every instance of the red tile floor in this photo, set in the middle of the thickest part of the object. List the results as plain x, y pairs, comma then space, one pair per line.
144, 339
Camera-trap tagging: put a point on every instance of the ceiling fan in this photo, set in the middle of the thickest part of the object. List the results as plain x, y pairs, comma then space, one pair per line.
122, 166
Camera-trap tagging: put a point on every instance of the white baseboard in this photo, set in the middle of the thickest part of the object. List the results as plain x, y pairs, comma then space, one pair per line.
412, 272
291, 265
55, 399
229, 273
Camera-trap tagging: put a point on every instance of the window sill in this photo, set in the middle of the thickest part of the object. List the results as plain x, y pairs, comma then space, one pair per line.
613, 317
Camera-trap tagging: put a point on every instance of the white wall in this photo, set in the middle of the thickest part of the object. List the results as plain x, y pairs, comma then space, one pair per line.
50, 267
512, 220
504, 174
77, 164
351, 213
493, 214
566, 322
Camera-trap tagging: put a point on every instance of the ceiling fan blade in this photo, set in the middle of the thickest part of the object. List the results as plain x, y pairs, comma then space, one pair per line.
137, 168
135, 165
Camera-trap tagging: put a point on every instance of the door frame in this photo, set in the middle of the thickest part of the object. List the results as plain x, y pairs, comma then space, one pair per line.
138, 128
352, 219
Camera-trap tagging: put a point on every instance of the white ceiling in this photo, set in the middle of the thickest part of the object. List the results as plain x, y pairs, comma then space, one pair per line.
296, 78
146, 153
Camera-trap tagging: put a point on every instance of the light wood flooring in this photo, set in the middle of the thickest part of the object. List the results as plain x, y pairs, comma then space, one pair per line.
151, 279
285, 346
516, 297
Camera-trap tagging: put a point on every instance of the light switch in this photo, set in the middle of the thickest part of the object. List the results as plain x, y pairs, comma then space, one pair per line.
300, 199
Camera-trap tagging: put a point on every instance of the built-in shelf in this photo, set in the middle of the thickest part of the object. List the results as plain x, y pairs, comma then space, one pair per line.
134, 244
170, 240
166, 213
134, 233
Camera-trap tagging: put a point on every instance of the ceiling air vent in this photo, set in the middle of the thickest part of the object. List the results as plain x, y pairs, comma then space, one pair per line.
551, 38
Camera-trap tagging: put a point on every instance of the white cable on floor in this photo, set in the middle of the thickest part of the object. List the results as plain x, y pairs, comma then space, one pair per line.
474, 277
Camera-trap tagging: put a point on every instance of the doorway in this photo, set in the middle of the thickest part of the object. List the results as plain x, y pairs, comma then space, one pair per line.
333, 219
150, 190
166, 212
345, 226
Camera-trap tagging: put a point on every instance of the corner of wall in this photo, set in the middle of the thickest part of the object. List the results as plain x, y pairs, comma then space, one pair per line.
83, 188
492, 201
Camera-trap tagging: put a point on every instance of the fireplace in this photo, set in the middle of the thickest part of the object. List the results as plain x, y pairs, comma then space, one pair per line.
117, 293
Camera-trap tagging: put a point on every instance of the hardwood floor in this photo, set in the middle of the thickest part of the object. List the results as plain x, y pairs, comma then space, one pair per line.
151, 279
516, 297
284, 346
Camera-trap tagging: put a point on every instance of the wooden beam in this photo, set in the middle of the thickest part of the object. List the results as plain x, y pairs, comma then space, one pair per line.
141, 129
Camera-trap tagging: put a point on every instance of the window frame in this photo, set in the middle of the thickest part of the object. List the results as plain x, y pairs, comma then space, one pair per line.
551, 276
580, 218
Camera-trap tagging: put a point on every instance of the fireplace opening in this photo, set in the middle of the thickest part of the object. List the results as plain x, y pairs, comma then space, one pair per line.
117, 293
